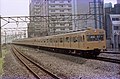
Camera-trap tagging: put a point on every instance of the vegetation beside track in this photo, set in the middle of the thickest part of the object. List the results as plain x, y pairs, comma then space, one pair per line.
4, 52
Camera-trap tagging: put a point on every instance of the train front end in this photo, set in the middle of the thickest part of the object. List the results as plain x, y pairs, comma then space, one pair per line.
95, 40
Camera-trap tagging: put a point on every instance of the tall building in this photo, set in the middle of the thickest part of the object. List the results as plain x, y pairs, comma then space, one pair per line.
112, 21
62, 16
115, 35
60, 12
118, 1
37, 26
56, 22
117, 8
108, 5
107, 21
94, 11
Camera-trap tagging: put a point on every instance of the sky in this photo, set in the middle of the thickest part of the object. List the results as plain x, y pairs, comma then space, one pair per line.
14, 7
20, 7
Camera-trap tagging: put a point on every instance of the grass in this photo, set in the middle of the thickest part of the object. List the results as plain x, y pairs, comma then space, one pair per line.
1, 63
4, 52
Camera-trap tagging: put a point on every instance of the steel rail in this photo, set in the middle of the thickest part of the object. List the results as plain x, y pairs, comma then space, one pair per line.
35, 74
38, 65
117, 61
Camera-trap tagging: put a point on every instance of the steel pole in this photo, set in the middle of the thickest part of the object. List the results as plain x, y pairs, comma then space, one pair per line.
5, 37
0, 39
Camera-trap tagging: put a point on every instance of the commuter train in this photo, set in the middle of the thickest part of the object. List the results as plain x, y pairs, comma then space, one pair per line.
84, 42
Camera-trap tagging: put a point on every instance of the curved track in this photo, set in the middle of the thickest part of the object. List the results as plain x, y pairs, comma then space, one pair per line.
111, 52
108, 60
32, 66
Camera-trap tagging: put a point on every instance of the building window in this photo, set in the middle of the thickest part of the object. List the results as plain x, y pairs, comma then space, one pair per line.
62, 29
69, 1
61, 5
116, 27
61, 1
52, 6
62, 24
69, 5
61, 10
52, 1
115, 19
52, 10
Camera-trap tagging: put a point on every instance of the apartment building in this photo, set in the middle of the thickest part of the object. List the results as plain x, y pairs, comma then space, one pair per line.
62, 17
60, 10
115, 33
56, 23
38, 25
118, 1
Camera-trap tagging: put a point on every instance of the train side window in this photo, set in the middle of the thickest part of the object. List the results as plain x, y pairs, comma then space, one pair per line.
67, 39
101, 37
75, 39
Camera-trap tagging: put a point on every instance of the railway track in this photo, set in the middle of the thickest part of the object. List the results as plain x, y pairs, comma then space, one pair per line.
32, 66
108, 60
111, 52
117, 61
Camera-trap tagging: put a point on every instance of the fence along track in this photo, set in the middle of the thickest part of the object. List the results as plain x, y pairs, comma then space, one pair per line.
32, 66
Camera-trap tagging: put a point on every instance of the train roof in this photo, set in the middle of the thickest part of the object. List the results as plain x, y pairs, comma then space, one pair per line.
73, 32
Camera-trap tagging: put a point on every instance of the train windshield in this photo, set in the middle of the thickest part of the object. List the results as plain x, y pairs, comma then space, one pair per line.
95, 37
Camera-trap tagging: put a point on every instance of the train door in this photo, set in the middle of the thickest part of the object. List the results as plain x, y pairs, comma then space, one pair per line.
74, 41
61, 40
81, 41
67, 41
56, 42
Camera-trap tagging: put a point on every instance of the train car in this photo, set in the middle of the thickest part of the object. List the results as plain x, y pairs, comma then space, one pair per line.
85, 42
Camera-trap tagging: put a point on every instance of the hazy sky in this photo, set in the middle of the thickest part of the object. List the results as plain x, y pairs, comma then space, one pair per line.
20, 7
14, 7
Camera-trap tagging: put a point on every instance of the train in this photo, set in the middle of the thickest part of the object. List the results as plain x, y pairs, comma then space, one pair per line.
85, 42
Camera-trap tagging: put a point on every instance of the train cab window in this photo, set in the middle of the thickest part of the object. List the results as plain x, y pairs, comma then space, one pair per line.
67, 39
101, 37
95, 37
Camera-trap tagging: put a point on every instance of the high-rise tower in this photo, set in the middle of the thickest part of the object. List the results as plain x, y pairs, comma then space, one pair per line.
118, 1
56, 11
94, 11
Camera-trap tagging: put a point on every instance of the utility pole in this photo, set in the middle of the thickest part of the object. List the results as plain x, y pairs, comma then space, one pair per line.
5, 37
95, 13
0, 39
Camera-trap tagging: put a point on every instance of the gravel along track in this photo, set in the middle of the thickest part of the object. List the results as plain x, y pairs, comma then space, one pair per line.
34, 67
110, 55
74, 67
14, 70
